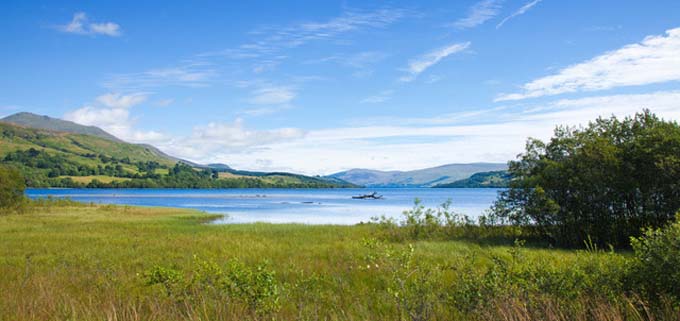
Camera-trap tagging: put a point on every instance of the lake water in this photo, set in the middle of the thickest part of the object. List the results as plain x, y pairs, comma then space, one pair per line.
309, 206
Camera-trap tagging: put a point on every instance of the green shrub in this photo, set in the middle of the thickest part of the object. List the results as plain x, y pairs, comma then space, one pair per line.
12, 186
656, 265
415, 289
256, 287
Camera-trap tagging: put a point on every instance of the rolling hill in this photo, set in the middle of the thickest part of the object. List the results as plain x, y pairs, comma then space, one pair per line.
427, 177
56, 153
31, 120
495, 179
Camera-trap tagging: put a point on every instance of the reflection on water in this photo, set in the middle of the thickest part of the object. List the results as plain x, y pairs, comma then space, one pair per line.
309, 206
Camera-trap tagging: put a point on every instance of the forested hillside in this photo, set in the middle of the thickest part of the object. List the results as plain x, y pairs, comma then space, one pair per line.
59, 159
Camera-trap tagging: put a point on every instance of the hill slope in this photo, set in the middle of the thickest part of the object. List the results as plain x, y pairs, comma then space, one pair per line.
495, 179
61, 159
48, 123
418, 178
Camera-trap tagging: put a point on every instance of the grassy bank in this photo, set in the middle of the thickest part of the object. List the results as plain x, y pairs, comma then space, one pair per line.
79, 262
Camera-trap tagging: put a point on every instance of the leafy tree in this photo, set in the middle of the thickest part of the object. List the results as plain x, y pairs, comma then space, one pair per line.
12, 187
604, 182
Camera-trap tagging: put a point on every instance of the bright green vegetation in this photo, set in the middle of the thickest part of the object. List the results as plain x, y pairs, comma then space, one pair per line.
60, 159
69, 261
12, 186
605, 182
494, 179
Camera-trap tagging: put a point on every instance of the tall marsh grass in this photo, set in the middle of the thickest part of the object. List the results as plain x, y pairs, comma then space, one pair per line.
94, 262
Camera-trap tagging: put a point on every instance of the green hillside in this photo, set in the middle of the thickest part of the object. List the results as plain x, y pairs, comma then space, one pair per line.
59, 159
45, 122
494, 179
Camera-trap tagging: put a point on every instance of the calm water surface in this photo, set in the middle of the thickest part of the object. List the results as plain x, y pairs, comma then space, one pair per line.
309, 206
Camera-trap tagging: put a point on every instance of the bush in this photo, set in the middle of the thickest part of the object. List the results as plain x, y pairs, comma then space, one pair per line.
657, 261
606, 181
12, 186
256, 288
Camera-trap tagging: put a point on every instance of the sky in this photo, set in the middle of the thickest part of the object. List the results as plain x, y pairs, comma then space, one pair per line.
317, 87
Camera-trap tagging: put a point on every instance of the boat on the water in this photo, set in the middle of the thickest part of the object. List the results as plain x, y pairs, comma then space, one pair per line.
372, 196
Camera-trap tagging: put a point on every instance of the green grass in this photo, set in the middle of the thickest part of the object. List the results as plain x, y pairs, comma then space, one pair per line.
89, 262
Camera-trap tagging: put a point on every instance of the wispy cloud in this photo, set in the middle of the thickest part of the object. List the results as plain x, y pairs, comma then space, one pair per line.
164, 102
363, 62
479, 13
519, 12
266, 110
270, 40
120, 101
381, 97
272, 95
654, 60
420, 64
81, 25
190, 74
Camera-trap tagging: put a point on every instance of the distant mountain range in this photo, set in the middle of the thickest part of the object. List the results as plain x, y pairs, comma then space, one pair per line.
427, 177
57, 153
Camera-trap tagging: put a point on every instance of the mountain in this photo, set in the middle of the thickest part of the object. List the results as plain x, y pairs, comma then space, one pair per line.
80, 156
427, 177
31, 120
494, 179
45, 122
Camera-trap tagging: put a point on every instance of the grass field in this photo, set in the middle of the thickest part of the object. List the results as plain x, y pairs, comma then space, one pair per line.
87, 262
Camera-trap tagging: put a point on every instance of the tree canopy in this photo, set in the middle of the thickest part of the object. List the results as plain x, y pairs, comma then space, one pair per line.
604, 182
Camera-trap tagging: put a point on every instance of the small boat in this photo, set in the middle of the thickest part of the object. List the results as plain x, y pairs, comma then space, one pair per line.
372, 196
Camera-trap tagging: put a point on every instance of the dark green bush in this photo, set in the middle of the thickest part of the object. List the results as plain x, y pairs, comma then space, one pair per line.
606, 181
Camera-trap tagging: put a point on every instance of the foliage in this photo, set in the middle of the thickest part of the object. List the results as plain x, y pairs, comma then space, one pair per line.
255, 287
657, 258
12, 187
442, 223
606, 181
412, 287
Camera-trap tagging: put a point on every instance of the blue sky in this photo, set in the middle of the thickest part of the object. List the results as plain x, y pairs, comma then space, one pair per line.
319, 86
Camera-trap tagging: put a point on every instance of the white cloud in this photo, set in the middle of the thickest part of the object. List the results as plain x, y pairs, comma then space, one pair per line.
479, 13
111, 112
266, 110
381, 97
272, 95
119, 101
272, 39
219, 138
417, 66
406, 144
80, 25
655, 60
191, 74
519, 12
